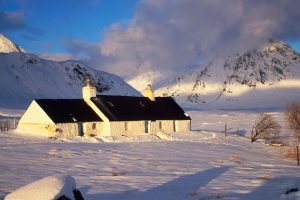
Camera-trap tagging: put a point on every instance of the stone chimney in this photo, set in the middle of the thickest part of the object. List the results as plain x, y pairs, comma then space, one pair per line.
149, 93
88, 91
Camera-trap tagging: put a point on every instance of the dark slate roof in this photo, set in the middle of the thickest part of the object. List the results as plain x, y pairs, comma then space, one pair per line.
128, 108
68, 110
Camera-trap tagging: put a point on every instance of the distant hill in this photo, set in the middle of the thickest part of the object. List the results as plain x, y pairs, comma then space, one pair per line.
259, 78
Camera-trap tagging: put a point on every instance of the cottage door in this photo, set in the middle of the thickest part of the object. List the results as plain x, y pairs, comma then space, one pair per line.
80, 129
174, 126
146, 126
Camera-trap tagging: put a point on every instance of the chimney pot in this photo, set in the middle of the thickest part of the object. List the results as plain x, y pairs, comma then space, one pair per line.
149, 93
89, 90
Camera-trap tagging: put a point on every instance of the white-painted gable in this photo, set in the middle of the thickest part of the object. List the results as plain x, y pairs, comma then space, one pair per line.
35, 115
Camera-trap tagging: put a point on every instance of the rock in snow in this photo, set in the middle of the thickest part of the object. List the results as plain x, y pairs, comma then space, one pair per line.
48, 188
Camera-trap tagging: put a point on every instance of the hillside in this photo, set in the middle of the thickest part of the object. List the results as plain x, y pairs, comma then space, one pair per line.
24, 77
265, 77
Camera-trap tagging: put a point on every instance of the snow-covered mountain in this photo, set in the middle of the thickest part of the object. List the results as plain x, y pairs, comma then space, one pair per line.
24, 77
7, 46
265, 77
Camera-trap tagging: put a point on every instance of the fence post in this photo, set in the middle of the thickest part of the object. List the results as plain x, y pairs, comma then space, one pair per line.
297, 153
6, 125
225, 130
15, 123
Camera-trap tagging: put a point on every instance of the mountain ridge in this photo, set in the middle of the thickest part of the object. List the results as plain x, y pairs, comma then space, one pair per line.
228, 82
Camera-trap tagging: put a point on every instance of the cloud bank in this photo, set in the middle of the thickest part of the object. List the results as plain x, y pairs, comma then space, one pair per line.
172, 35
16, 21
11, 20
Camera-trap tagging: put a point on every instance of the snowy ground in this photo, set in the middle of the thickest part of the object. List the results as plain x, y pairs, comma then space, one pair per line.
196, 165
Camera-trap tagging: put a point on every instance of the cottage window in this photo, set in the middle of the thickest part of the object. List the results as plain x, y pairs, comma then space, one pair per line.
141, 104
110, 104
127, 126
146, 126
80, 129
94, 126
73, 118
174, 125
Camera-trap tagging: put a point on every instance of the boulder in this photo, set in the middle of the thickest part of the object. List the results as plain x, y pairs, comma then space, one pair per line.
48, 188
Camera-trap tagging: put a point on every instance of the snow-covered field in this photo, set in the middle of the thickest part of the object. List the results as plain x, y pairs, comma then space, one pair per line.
196, 165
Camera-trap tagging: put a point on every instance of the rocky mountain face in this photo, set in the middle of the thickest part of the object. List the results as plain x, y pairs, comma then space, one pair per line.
248, 80
25, 76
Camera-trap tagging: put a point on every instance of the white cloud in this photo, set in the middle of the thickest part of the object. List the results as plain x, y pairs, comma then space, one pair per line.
173, 35
11, 21
59, 56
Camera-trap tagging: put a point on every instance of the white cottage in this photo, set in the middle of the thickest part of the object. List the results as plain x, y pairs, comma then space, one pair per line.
68, 117
104, 115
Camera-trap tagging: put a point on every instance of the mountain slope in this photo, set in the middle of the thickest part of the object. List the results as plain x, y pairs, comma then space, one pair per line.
25, 76
259, 78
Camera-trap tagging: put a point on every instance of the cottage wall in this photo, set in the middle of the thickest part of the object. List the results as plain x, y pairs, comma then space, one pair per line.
67, 130
183, 125
92, 129
50, 130
117, 129
106, 131
39, 129
166, 126
36, 121
134, 128
152, 127
35, 115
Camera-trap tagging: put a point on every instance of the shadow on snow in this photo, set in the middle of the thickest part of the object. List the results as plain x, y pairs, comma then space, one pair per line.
180, 188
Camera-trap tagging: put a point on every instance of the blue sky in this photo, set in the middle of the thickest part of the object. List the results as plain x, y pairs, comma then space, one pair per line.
295, 44
129, 37
47, 23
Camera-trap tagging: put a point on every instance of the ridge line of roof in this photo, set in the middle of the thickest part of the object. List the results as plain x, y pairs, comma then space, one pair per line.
58, 99
131, 96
